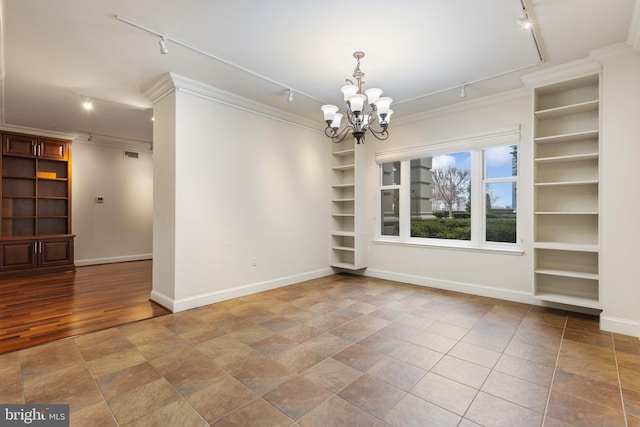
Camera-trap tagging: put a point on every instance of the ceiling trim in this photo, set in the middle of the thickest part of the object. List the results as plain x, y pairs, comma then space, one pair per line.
173, 82
463, 106
634, 29
551, 75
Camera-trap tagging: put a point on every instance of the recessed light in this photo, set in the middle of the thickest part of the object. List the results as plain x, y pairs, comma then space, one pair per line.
87, 105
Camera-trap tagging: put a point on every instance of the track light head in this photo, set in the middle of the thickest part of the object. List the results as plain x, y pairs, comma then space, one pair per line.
524, 22
463, 91
290, 97
163, 46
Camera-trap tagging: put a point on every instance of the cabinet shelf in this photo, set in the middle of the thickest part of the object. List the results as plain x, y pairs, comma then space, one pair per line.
344, 215
348, 185
569, 299
343, 233
576, 247
33, 178
343, 200
566, 110
574, 136
342, 153
566, 183
565, 213
343, 248
567, 273
570, 158
344, 167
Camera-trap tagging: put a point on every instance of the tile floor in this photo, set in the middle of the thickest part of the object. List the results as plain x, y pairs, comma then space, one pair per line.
340, 351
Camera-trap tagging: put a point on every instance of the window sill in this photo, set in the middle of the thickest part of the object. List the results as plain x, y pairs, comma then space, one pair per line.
453, 246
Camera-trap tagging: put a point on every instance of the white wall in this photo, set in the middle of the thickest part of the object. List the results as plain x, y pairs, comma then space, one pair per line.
246, 186
120, 229
620, 259
481, 272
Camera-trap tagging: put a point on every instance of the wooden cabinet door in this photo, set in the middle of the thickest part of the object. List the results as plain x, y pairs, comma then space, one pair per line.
18, 145
18, 255
52, 149
56, 251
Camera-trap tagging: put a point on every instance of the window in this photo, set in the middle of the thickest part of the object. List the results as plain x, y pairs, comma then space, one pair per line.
457, 197
500, 190
390, 199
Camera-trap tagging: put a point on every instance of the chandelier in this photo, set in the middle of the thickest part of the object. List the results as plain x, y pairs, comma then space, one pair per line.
358, 119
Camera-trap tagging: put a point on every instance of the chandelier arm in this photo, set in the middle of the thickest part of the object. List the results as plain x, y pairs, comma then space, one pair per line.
336, 136
379, 134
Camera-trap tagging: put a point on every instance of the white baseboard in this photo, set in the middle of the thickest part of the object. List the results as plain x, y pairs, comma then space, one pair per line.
96, 261
473, 289
619, 326
238, 291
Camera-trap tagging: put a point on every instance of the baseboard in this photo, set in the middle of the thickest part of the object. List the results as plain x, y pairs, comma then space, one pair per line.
620, 326
236, 292
473, 289
96, 261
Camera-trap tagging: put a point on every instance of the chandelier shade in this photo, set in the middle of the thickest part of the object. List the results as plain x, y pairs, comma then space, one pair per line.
364, 112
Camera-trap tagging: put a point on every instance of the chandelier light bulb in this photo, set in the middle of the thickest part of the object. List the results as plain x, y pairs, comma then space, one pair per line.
348, 91
329, 112
373, 94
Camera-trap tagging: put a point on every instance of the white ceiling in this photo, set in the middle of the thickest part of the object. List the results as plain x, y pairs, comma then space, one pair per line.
55, 54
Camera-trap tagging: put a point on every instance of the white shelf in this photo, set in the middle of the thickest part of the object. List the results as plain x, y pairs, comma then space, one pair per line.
571, 158
567, 273
565, 110
575, 136
344, 265
344, 167
569, 299
566, 213
343, 200
346, 152
565, 183
349, 185
343, 233
343, 248
344, 214
579, 247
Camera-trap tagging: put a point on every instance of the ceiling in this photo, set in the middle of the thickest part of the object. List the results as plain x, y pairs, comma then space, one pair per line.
56, 54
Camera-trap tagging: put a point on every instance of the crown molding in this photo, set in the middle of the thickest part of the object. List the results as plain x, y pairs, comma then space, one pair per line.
171, 82
633, 38
464, 106
562, 72
114, 142
38, 132
612, 53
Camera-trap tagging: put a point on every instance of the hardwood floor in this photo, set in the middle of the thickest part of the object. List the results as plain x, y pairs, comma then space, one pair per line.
42, 309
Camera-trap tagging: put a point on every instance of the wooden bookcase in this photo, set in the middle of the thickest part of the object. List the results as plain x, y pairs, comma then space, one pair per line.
348, 237
36, 206
566, 191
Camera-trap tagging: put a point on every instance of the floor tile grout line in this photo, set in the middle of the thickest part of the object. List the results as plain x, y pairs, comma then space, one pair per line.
555, 369
615, 358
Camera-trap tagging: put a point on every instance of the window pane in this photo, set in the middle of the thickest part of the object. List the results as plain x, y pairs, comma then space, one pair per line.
501, 162
390, 212
391, 173
440, 197
501, 205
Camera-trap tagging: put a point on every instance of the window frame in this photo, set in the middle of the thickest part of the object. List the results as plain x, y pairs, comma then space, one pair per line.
475, 144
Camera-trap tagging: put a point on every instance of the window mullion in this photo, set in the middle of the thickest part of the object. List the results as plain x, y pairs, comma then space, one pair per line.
477, 198
405, 201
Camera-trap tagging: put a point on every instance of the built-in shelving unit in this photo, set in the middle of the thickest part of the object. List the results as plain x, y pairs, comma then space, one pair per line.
35, 237
566, 191
348, 240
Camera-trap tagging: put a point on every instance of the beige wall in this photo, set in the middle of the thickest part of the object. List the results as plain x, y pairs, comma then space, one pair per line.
120, 229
